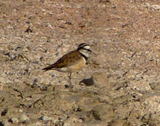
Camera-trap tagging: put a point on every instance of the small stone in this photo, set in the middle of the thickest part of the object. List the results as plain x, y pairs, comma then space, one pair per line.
24, 118
46, 118
20, 110
4, 112
4, 123
14, 120
155, 7
100, 79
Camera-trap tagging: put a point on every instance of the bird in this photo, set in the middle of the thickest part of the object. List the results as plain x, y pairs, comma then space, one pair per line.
72, 61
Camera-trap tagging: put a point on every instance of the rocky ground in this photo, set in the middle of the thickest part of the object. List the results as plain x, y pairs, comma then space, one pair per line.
120, 86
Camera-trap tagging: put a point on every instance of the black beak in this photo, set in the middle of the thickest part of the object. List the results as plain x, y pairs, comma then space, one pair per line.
89, 50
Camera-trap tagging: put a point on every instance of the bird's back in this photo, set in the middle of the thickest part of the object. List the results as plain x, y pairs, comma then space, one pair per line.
67, 60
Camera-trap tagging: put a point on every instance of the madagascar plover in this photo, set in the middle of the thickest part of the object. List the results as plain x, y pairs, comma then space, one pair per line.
72, 61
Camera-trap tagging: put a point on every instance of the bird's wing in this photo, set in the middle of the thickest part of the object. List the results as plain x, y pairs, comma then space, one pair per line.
66, 60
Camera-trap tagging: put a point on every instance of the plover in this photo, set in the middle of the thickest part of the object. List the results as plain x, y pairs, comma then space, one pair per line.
72, 61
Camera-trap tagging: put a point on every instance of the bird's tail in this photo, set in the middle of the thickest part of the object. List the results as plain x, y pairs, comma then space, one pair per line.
45, 69
48, 68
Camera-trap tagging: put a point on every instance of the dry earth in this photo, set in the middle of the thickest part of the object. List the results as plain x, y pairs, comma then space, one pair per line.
120, 86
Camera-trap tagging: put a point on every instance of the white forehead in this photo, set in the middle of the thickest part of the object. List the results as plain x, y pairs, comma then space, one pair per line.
87, 47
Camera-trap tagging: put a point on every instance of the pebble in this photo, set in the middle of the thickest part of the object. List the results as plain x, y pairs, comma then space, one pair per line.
14, 120
24, 118
46, 118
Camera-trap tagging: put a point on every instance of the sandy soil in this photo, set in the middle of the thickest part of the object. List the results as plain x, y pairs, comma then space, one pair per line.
119, 86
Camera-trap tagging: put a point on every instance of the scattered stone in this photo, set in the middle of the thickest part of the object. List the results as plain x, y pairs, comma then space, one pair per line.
155, 7
100, 79
14, 120
46, 118
24, 118
73, 121
4, 123
20, 110
4, 112
139, 85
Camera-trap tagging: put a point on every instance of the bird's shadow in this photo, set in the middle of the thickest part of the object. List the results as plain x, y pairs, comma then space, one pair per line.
87, 82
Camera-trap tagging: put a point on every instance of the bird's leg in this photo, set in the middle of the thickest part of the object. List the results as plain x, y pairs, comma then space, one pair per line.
70, 74
70, 82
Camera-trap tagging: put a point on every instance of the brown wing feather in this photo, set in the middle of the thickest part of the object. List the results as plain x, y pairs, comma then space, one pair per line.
66, 60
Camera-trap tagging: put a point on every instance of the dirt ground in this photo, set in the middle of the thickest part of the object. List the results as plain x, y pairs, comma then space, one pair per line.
120, 85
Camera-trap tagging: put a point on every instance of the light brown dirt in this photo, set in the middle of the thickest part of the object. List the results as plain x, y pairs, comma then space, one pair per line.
118, 87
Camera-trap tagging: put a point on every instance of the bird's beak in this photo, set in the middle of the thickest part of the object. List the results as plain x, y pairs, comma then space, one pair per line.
89, 50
